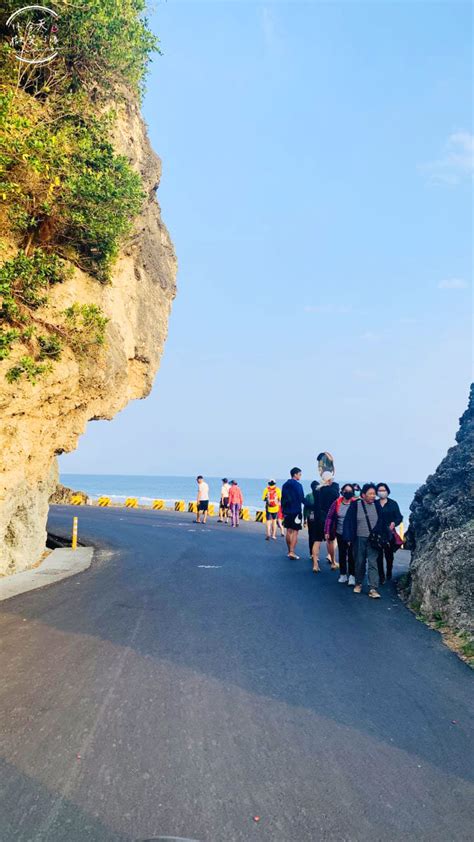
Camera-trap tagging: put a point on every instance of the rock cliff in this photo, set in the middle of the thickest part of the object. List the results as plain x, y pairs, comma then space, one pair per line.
441, 535
44, 419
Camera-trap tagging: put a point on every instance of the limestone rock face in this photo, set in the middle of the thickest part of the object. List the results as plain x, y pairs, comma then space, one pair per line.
42, 420
441, 534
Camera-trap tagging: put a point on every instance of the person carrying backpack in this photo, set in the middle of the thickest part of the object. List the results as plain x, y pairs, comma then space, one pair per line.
272, 498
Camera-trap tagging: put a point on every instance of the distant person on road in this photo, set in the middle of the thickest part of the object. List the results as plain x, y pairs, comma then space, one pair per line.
392, 517
272, 499
236, 501
224, 502
202, 502
312, 520
328, 492
292, 499
362, 525
333, 529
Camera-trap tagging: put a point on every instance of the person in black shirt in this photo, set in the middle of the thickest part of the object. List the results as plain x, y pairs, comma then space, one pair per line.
327, 493
392, 517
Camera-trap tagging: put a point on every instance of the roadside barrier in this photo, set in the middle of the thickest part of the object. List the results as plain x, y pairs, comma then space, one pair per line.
158, 504
260, 517
192, 507
245, 513
211, 510
180, 506
131, 503
103, 501
74, 534
77, 500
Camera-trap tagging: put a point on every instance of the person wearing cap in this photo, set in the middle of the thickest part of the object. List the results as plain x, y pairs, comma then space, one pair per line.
224, 502
292, 499
327, 493
272, 498
236, 501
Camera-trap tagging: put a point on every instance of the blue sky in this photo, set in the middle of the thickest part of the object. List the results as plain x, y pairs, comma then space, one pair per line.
317, 164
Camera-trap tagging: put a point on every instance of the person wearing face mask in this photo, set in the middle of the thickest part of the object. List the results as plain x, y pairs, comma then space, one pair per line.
392, 517
356, 487
333, 529
362, 527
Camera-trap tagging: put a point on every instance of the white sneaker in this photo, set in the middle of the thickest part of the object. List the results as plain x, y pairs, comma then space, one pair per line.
342, 579
352, 580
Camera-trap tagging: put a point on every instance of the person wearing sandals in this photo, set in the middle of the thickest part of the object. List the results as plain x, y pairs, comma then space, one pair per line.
236, 501
392, 517
224, 502
272, 499
292, 499
363, 525
333, 529
312, 520
328, 493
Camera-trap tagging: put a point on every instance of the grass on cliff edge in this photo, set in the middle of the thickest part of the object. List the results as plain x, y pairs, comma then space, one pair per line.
455, 639
66, 197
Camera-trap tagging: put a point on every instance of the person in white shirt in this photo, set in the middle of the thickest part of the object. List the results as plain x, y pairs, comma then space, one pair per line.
202, 500
224, 502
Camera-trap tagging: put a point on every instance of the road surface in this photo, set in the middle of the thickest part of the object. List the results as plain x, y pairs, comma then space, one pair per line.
195, 679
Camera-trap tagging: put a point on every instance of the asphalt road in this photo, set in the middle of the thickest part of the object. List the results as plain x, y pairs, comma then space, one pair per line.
194, 679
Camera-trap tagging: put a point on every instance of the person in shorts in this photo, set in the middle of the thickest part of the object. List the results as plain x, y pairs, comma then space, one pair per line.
272, 498
292, 499
202, 501
312, 518
224, 502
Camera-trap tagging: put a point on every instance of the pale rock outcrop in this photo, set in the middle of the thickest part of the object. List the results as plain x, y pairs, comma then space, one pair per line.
42, 420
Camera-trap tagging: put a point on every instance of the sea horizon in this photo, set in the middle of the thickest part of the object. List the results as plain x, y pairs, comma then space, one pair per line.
169, 487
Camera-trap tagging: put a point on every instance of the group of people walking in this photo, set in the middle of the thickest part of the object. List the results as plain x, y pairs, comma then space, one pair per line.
359, 521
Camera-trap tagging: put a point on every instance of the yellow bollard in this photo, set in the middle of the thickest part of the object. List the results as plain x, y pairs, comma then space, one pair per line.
131, 503
211, 510
74, 533
245, 513
260, 517
77, 500
103, 501
180, 506
158, 504
192, 507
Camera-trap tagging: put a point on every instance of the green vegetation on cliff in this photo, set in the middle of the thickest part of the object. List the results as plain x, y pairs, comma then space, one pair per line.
66, 197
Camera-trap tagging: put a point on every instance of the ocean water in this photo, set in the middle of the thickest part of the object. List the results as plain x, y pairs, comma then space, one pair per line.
147, 488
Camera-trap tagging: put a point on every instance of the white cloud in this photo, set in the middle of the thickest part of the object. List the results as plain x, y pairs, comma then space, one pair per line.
457, 162
364, 374
370, 336
453, 283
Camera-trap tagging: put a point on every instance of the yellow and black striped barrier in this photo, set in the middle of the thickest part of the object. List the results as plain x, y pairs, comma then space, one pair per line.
77, 500
180, 506
260, 517
192, 507
131, 503
158, 504
211, 510
103, 501
245, 513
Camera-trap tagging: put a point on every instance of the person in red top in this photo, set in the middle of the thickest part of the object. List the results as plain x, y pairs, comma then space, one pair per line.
236, 502
333, 529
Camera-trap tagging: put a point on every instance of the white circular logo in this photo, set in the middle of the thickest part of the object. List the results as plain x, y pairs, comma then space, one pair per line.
34, 34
